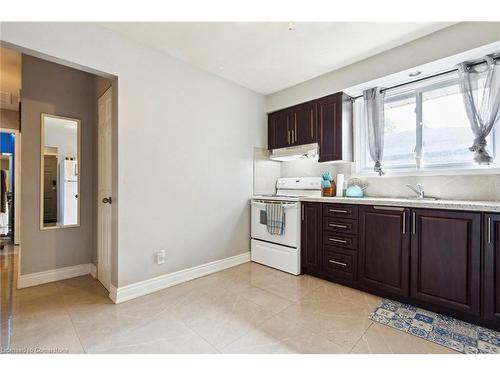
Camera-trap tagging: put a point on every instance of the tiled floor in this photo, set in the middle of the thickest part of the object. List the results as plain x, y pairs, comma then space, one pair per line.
246, 309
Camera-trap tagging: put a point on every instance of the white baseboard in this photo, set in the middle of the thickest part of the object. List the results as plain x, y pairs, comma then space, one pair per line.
93, 270
142, 288
113, 293
49, 276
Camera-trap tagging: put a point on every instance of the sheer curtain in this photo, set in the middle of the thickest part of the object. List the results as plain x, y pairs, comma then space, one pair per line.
482, 103
374, 121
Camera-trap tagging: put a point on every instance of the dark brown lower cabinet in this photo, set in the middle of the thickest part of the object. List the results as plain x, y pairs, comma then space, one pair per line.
384, 250
310, 240
491, 267
340, 264
442, 260
445, 260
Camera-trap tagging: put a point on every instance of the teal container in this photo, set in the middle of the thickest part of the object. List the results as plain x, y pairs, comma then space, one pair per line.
354, 191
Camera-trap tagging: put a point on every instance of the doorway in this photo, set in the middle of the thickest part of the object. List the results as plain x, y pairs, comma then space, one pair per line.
54, 248
9, 186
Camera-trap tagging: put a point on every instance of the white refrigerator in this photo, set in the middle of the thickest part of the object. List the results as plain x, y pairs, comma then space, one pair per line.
69, 193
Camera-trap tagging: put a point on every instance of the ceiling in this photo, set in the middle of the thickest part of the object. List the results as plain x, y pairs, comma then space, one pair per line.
10, 78
266, 56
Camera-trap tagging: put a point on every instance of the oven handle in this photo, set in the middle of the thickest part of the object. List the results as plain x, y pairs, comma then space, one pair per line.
285, 205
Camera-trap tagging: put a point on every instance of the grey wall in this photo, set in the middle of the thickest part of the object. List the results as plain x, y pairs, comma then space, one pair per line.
59, 90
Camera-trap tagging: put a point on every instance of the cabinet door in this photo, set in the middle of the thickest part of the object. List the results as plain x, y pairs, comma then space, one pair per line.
329, 115
491, 270
445, 259
279, 134
304, 124
384, 251
310, 235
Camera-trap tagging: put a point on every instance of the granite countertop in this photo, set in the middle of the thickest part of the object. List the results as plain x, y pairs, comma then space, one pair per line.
485, 206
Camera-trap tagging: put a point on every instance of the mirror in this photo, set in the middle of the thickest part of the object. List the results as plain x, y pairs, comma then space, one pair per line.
60, 177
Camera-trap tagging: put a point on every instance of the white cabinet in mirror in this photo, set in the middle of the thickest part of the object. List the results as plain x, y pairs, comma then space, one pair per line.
59, 172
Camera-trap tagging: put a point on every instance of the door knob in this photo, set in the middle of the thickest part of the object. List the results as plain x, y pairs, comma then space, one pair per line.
106, 200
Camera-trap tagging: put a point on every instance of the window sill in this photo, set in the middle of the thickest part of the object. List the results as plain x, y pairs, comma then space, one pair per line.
429, 172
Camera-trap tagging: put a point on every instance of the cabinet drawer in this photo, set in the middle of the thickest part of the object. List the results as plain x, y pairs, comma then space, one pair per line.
339, 263
340, 225
340, 240
339, 210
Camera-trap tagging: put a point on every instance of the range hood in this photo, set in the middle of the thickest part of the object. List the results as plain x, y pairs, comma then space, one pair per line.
309, 151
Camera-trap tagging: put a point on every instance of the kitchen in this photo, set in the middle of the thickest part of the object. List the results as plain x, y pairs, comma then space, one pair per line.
325, 188
416, 226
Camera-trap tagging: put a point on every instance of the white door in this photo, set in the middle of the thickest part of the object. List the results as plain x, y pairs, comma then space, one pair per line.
104, 200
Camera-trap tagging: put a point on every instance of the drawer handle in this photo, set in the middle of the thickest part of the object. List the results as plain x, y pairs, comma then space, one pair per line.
339, 263
336, 240
338, 226
489, 229
339, 211
400, 209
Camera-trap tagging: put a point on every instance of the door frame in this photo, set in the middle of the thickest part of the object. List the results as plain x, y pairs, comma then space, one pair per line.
17, 186
108, 278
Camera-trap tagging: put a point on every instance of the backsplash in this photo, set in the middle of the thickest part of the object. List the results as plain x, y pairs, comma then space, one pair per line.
461, 187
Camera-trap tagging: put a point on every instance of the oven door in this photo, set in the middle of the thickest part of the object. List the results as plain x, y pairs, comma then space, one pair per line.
291, 234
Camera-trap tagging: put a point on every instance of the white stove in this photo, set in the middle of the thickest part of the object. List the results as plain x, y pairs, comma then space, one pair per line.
281, 251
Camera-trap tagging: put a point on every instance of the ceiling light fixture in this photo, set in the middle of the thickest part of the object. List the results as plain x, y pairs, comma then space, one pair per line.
415, 74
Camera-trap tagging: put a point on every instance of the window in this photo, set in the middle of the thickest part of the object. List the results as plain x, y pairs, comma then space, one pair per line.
426, 128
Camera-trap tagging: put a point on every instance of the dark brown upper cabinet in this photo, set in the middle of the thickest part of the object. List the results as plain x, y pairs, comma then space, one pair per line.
326, 121
491, 267
445, 259
334, 117
279, 130
304, 124
384, 250
310, 241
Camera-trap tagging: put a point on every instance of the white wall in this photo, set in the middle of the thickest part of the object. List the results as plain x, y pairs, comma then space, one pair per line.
441, 44
185, 148
265, 172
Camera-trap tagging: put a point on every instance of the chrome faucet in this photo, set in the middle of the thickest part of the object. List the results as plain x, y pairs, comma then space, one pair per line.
419, 190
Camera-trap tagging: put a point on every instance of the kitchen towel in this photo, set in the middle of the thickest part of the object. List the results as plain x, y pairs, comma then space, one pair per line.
275, 218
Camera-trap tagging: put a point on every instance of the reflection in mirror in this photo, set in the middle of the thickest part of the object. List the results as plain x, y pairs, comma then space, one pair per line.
60, 182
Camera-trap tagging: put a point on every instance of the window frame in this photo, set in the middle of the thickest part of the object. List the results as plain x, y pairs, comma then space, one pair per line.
363, 163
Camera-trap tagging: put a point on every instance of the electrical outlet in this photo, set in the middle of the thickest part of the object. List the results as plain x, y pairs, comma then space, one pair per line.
160, 257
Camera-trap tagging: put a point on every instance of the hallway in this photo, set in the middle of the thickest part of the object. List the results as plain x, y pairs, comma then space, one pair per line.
37, 319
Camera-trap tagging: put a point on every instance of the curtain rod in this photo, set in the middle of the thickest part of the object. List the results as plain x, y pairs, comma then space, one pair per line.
424, 78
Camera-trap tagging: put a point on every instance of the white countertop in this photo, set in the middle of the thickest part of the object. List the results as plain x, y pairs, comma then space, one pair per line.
485, 206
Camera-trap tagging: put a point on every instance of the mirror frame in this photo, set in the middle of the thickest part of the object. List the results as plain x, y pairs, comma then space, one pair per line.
42, 154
